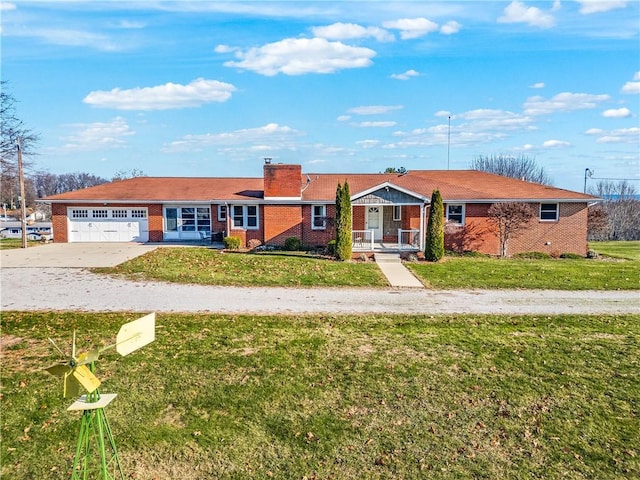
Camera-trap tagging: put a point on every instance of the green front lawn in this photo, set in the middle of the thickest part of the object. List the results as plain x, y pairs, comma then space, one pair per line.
343, 397
561, 274
629, 250
7, 243
212, 267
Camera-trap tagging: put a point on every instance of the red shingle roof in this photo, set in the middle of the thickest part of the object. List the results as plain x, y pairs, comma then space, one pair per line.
454, 185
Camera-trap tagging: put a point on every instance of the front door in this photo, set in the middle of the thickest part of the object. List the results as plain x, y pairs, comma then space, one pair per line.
374, 222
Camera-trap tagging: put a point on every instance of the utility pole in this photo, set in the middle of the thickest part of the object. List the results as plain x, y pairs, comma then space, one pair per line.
23, 202
449, 142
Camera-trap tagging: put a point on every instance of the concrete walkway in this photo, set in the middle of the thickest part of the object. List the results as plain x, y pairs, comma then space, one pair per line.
397, 274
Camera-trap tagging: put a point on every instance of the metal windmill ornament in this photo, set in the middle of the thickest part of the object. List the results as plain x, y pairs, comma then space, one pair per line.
77, 370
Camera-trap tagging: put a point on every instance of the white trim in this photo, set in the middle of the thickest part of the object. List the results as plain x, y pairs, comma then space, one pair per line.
226, 212
390, 185
323, 216
245, 217
549, 219
463, 213
393, 215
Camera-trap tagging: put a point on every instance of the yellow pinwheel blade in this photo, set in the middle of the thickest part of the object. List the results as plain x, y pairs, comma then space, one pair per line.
136, 334
86, 378
59, 370
71, 385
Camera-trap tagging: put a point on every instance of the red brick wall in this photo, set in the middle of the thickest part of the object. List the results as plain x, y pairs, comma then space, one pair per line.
316, 238
566, 235
358, 217
59, 222
282, 180
281, 222
156, 222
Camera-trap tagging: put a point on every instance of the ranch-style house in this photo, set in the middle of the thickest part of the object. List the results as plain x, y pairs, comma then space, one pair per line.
389, 210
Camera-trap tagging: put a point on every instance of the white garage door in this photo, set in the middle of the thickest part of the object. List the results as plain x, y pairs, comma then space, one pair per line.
108, 225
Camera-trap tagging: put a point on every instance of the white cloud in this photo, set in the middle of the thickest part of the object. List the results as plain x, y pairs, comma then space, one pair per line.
225, 49
598, 6
163, 97
263, 138
406, 75
98, 135
344, 118
617, 113
298, 56
368, 143
5, 6
633, 86
562, 102
450, 28
518, 12
374, 109
555, 144
412, 27
379, 124
621, 135
345, 31
469, 128
537, 85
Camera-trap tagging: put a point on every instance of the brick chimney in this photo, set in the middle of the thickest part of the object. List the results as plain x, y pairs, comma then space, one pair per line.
282, 181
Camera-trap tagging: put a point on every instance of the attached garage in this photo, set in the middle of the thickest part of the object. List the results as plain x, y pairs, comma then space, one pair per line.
86, 224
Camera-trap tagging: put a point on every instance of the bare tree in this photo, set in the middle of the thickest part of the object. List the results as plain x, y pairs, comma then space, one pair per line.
51, 184
597, 223
509, 218
124, 174
520, 167
12, 128
622, 208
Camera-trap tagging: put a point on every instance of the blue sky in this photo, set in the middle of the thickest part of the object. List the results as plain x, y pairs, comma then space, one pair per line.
197, 88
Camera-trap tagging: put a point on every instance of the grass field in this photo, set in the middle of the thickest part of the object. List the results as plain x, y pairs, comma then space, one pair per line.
319, 397
7, 243
629, 250
211, 267
560, 274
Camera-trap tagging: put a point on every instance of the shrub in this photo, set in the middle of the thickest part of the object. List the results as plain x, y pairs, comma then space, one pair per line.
331, 248
571, 256
254, 243
232, 243
344, 246
533, 255
434, 249
293, 244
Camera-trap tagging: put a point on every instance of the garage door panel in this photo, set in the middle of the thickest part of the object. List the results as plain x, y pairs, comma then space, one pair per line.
107, 229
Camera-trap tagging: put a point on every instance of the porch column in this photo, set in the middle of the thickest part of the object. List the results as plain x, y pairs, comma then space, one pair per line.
422, 209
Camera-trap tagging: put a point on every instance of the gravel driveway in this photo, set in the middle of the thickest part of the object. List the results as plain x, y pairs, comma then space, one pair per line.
30, 289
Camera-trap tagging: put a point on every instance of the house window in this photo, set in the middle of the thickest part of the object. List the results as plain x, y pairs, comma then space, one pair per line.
100, 214
397, 213
138, 213
222, 213
203, 219
245, 216
79, 213
549, 211
318, 217
455, 213
119, 213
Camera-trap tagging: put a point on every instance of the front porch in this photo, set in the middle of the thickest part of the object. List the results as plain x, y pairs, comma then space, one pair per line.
407, 241
387, 218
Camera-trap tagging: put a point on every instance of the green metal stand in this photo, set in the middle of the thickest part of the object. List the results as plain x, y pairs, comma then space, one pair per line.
95, 439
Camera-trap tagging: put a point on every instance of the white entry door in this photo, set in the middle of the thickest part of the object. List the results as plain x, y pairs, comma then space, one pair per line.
374, 222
